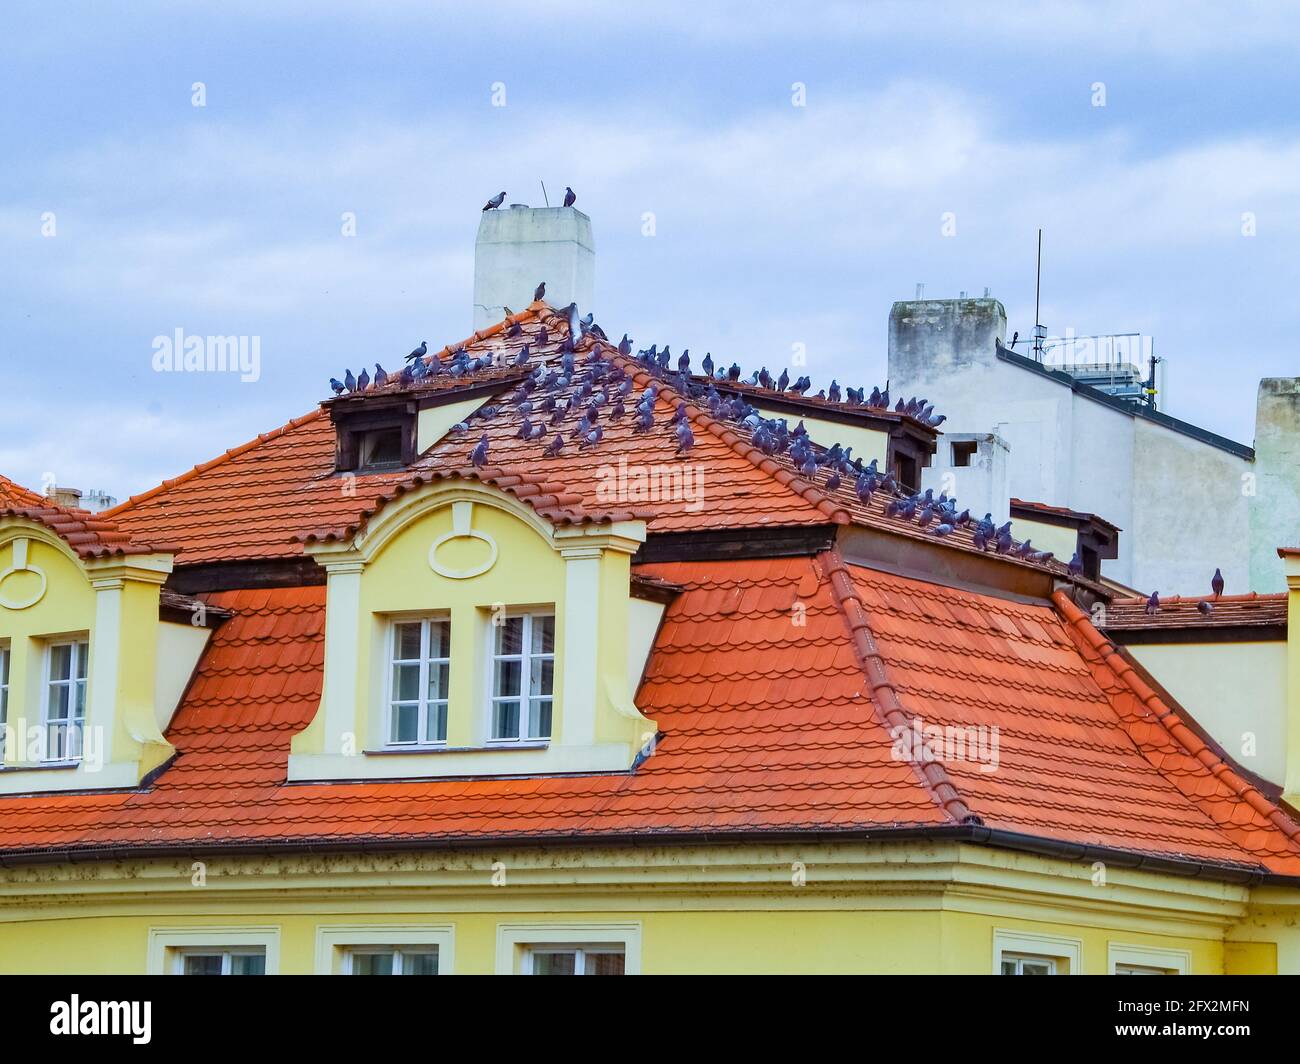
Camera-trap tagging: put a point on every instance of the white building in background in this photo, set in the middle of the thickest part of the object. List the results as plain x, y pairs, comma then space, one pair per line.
1187, 500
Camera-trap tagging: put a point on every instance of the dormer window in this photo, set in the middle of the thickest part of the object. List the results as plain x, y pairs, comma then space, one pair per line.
380, 448
65, 699
523, 678
374, 435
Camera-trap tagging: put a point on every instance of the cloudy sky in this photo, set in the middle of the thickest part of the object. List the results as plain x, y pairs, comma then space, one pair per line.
776, 224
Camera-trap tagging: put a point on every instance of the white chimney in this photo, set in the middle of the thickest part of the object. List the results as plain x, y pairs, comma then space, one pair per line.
519, 247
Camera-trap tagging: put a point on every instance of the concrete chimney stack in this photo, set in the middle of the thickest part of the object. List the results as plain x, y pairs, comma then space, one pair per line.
519, 247
1274, 497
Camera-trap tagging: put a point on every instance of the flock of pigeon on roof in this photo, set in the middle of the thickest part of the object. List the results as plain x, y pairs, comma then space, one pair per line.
601, 389
1204, 607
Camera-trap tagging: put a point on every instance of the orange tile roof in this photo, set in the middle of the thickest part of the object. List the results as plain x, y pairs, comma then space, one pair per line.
1229, 611
90, 535
767, 726
14, 494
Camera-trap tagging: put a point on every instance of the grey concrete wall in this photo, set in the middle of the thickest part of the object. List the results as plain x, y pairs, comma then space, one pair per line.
519, 247
930, 338
981, 486
1275, 505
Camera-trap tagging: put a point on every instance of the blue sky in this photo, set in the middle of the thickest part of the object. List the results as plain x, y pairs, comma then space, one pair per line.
776, 224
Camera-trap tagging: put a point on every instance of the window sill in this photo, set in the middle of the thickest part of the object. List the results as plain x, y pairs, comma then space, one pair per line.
391, 751
40, 766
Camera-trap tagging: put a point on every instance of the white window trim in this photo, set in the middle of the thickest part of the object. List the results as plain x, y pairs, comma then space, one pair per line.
1176, 961
391, 643
6, 673
1059, 948
80, 645
167, 944
333, 942
513, 941
580, 950
525, 677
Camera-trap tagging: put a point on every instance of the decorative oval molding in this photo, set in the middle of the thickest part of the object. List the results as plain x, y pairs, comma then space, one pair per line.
20, 566
472, 571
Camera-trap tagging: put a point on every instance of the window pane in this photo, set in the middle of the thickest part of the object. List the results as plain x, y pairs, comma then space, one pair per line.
406, 683
83, 655
439, 681
61, 662
202, 964
372, 963
508, 676
603, 964
407, 641
539, 718
420, 963
79, 700
505, 720
510, 636
406, 723
543, 635
248, 964
541, 678
436, 725
1008, 967
439, 639
558, 963
59, 701
1035, 968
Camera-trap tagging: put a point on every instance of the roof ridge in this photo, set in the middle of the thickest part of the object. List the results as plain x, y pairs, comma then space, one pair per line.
1171, 720
1247, 596
810, 493
533, 310
884, 696
203, 467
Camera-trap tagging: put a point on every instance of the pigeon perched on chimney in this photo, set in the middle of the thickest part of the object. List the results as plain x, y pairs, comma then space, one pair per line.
495, 202
1216, 584
1153, 604
539, 293
419, 352
569, 197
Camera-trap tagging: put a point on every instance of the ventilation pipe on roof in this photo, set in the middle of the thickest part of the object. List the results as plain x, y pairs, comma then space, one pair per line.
519, 247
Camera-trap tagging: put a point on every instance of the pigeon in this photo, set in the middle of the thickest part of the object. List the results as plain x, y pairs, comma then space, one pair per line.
349, 381
1153, 604
685, 438
569, 197
943, 530
419, 352
1216, 584
783, 381
381, 376
337, 386
1205, 608
707, 365
684, 362
539, 293
478, 456
521, 359
1076, 565
495, 202
555, 446
575, 324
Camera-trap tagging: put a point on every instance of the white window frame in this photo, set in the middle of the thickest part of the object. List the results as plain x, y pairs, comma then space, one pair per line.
1020, 959
422, 742
334, 942
1066, 952
526, 659
80, 645
514, 941
168, 945
1165, 961
398, 953
6, 664
580, 950
226, 954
